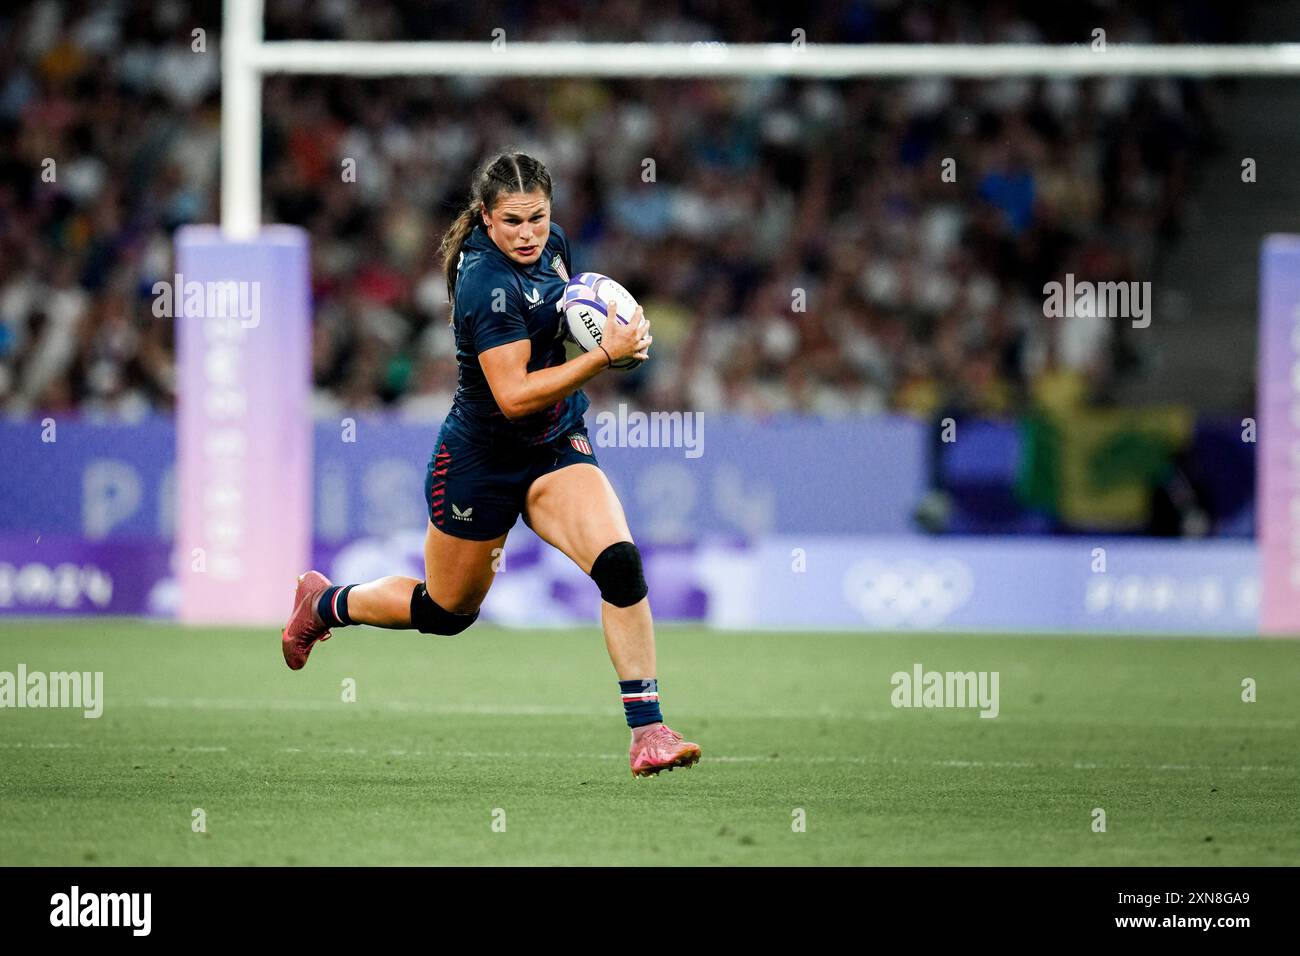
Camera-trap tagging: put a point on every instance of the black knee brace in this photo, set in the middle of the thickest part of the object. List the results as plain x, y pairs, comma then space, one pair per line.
428, 617
617, 572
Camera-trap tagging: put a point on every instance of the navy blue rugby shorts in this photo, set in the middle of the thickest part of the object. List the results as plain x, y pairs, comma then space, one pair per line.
477, 491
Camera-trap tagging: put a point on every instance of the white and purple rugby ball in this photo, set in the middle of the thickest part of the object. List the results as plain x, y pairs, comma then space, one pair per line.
583, 305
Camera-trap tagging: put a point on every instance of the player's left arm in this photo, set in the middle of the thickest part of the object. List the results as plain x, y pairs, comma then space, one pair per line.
519, 392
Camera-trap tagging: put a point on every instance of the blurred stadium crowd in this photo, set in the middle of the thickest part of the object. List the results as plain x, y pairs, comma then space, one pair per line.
796, 244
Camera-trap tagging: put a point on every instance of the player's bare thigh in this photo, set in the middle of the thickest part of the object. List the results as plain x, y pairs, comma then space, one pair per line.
458, 572
576, 509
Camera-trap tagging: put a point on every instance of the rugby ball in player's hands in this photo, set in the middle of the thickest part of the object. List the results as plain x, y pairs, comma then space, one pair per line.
583, 305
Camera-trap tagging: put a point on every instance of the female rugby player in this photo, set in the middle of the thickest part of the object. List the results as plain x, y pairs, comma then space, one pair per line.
514, 441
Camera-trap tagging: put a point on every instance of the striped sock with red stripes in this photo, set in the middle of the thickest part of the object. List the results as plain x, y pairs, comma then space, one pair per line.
333, 606
641, 701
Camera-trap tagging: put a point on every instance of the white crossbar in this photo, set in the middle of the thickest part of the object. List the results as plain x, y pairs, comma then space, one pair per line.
246, 58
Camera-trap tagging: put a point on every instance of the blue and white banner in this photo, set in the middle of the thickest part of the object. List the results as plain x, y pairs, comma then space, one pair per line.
905, 583
735, 476
797, 524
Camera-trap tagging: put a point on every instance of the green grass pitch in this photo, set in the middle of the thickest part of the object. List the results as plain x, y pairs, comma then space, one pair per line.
449, 735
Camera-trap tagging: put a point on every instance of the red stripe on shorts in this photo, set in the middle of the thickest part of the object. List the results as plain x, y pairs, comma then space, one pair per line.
442, 461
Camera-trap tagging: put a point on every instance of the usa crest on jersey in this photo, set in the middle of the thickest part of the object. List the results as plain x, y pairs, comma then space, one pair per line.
580, 442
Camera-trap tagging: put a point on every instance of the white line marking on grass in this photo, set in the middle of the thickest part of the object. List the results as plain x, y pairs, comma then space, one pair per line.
722, 758
113, 746
534, 710
402, 706
731, 758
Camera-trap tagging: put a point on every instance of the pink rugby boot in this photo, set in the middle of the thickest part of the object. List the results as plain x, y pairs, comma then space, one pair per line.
305, 626
661, 749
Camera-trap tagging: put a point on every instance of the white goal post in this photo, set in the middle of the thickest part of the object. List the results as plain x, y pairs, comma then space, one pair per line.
246, 58
274, 541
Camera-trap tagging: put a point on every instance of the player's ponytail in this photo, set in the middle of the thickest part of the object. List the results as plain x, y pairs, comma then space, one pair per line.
507, 172
451, 243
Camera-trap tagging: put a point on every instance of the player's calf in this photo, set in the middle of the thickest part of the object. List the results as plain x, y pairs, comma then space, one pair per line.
618, 573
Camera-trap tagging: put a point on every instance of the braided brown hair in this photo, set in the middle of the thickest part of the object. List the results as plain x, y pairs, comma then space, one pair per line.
508, 172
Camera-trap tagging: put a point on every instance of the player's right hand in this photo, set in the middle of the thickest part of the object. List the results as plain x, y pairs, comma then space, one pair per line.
622, 341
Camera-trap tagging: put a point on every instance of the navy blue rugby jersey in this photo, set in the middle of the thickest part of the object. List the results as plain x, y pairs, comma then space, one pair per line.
497, 300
